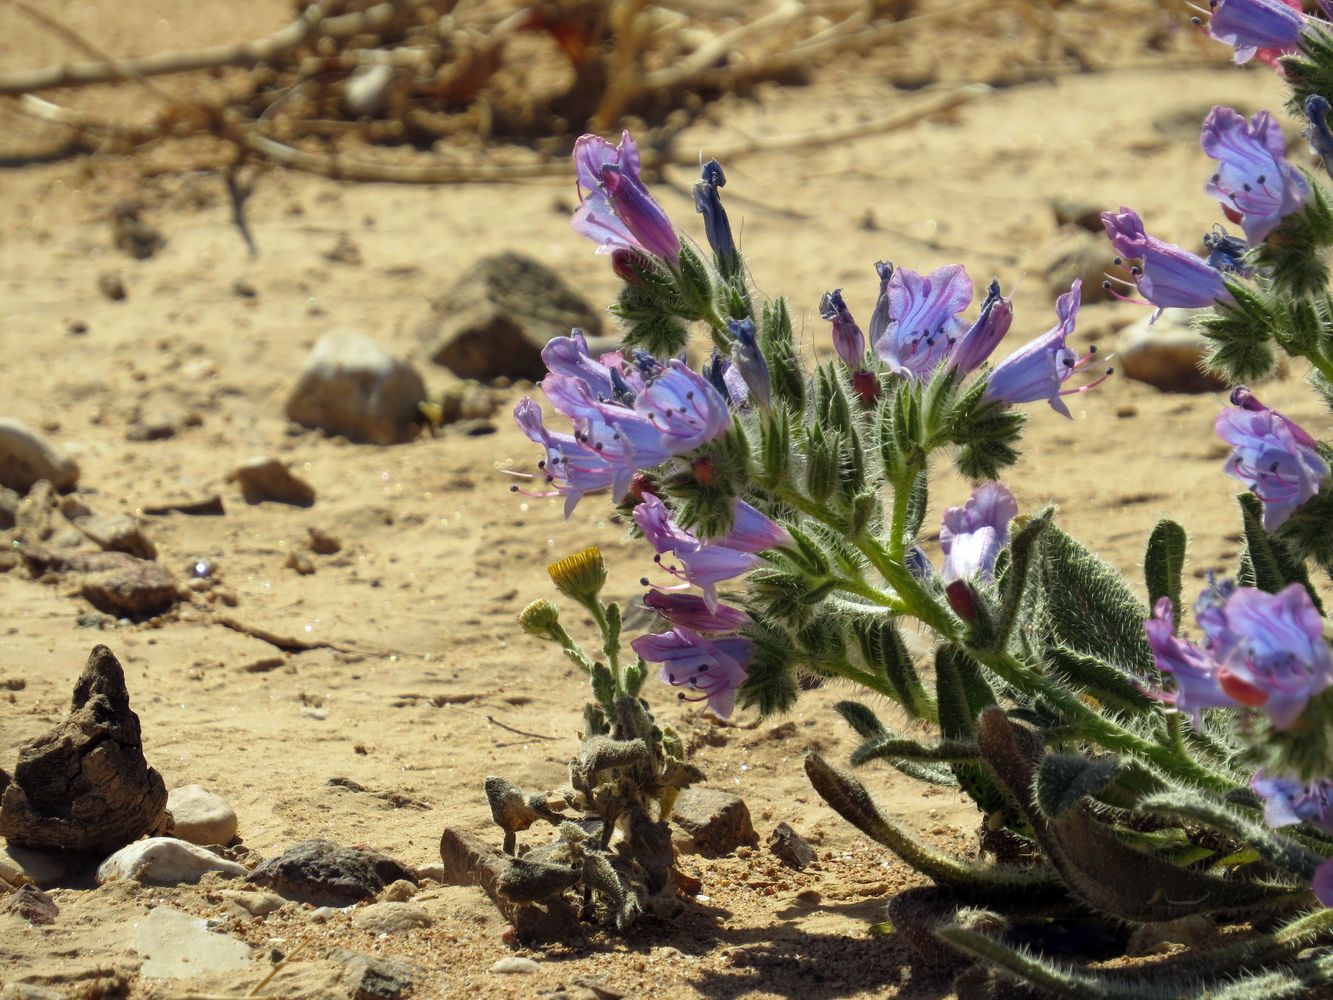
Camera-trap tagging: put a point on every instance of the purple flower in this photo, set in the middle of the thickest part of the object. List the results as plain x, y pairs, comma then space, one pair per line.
1263, 650
708, 203
848, 340
1037, 370
750, 363
1323, 882
978, 343
616, 211
570, 356
880, 317
1317, 133
690, 611
752, 531
1254, 180
973, 535
1287, 801
1273, 456
923, 318
711, 668
570, 467
684, 407
1266, 28
608, 428
1168, 276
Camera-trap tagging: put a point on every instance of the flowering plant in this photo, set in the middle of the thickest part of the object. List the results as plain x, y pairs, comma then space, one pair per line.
1127, 774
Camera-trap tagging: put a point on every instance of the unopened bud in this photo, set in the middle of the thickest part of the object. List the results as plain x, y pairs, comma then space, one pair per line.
539, 618
962, 600
580, 576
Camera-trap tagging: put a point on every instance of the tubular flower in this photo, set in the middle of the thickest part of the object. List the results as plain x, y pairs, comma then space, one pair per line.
848, 340
1168, 276
571, 468
1254, 182
749, 362
1266, 28
684, 407
1262, 650
923, 322
708, 203
1038, 369
1273, 456
615, 209
981, 339
689, 611
711, 669
973, 535
1287, 801
1317, 133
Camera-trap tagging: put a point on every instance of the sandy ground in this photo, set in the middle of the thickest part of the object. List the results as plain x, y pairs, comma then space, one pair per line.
427, 677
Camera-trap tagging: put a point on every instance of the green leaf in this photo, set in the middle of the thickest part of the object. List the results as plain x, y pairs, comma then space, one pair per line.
1272, 563
1013, 579
770, 681
961, 693
784, 367
1088, 606
1164, 562
1113, 687
1063, 780
917, 502
886, 654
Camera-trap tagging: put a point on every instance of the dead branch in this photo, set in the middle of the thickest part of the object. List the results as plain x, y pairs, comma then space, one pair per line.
245, 55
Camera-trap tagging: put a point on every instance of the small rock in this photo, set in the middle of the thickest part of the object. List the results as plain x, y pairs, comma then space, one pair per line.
391, 918
31, 904
498, 316
366, 90
433, 872
790, 848
323, 544
176, 945
9, 505
117, 533
323, 914
269, 479
112, 286
345, 251
300, 562
1166, 354
159, 426
200, 816
311, 712
399, 892
21, 865
373, 978
134, 588
130, 233
165, 861
717, 822
1075, 253
352, 386
322, 872
516, 965
242, 288
256, 904
85, 785
1083, 214
25, 458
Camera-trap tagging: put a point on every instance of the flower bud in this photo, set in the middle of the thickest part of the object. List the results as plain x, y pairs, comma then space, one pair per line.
539, 618
580, 576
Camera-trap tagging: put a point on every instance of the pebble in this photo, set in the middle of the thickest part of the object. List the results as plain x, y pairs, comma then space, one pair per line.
165, 861
117, 533
391, 918
323, 914
31, 904
495, 320
1166, 354
268, 479
22, 864
375, 978
399, 892
176, 945
110, 284
25, 457
130, 588
300, 562
717, 822
351, 386
516, 964
255, 904
791, 848
325, 873
201, 817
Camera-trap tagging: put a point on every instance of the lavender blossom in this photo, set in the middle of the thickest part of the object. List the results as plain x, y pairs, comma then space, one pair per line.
848, 340
570, 356
1254, 180
690, 611
616, 211
1273, 456
752, 531
1037, 370
1169, 277
571, 468
1262, 650
981, 339
712, 669
684, 407
923, 318
973, 535
1287, 801
1317, 133
1266, 28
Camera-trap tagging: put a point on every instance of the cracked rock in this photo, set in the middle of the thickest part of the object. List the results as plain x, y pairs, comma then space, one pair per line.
325, 873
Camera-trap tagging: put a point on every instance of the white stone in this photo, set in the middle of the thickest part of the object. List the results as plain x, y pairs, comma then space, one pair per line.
200, 816
164, 861
516, 965
25, 458
175, 945
352, 386
390, 918
1166, 354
